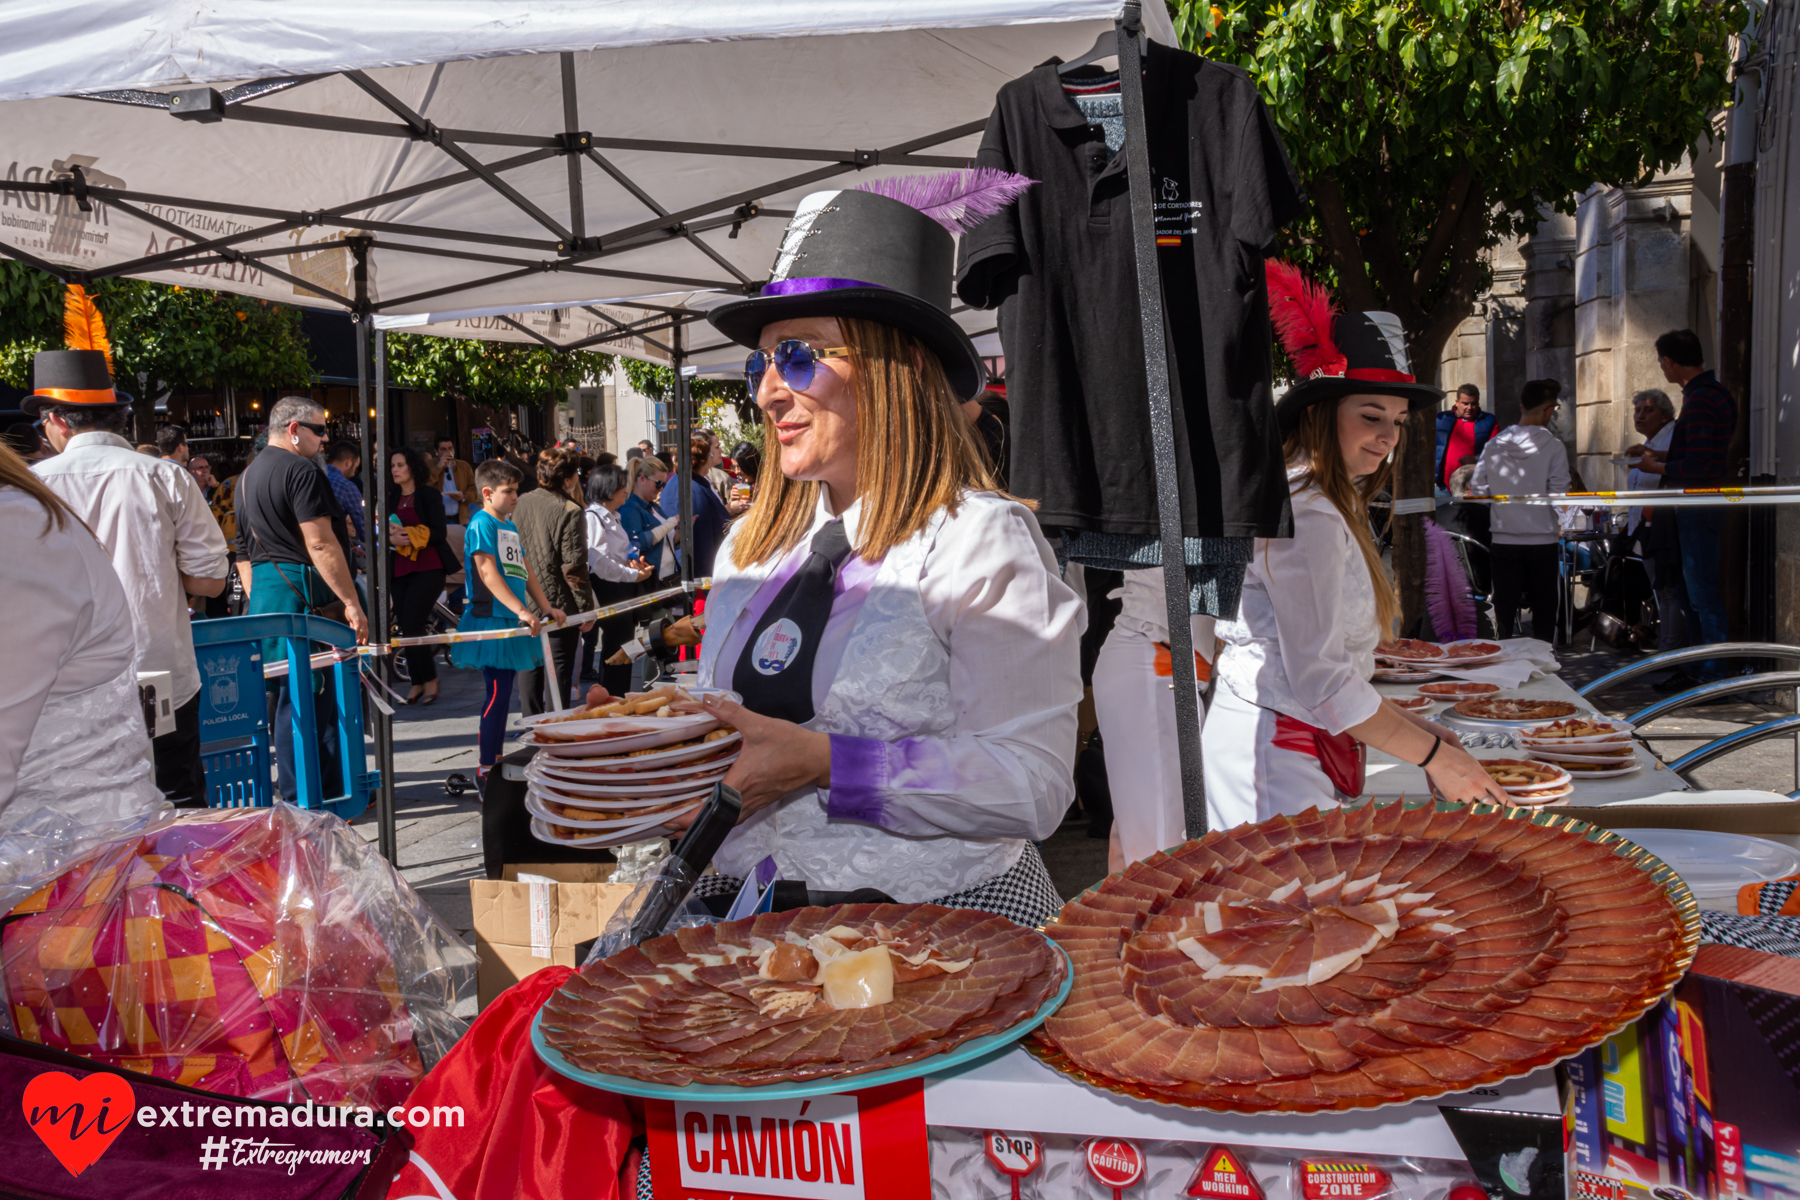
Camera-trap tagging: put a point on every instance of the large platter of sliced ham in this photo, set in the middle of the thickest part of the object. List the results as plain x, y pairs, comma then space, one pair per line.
789, 1004
1363, 956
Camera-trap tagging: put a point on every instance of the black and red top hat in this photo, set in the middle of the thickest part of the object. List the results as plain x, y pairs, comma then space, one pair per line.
1337, 354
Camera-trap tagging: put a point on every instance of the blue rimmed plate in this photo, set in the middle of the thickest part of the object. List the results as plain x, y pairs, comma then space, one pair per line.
972, 1049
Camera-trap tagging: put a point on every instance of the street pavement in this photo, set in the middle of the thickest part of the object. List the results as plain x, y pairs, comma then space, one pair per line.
440, 834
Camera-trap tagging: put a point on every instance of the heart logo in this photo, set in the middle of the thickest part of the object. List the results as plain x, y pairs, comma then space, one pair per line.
78, 1118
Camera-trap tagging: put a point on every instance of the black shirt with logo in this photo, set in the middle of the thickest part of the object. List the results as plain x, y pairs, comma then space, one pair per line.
1060, 268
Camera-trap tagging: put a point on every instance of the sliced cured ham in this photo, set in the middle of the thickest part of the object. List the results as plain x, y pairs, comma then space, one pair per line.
808, 993
1361, 956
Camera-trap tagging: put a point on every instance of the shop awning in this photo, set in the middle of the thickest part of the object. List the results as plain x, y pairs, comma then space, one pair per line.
581, 173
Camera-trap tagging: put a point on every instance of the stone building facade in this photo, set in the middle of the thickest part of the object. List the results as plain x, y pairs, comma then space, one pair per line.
1582, 300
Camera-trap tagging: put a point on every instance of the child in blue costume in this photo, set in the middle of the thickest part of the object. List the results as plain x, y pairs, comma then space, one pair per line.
499, 581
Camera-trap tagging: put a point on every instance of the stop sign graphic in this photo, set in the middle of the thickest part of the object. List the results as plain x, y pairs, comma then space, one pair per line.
1013, 1154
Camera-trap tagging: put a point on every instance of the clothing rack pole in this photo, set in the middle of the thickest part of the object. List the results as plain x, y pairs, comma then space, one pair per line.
1162, 416
684, 468
387, 831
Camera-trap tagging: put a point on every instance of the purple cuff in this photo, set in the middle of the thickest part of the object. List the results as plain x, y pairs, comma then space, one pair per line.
859, 775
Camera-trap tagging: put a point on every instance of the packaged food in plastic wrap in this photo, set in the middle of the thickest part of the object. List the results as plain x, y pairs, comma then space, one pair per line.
260, 952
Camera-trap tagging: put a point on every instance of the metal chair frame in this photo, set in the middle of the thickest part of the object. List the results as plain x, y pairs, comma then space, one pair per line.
1707, 691
234, 721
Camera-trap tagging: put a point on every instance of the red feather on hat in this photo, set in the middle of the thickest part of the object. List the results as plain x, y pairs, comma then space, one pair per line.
82, 327
1302, 311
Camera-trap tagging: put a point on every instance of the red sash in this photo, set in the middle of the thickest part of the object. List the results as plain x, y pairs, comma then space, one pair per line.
1340, 756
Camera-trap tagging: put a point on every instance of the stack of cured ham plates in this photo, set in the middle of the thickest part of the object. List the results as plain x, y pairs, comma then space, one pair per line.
1364, 956
605, 781
811, 994
1594, 748
1529, 783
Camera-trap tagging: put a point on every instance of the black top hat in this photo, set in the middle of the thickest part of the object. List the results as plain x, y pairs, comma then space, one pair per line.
868, 255
1342, 354
71, 377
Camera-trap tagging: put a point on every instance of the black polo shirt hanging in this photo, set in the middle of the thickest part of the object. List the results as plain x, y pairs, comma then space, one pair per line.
1059, 267
774, 673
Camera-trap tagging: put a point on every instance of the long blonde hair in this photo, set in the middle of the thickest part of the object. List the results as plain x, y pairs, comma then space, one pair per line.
915, 453
14, 472
1314, 445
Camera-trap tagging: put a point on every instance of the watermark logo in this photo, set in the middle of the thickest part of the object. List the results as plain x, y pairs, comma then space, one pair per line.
78, 1119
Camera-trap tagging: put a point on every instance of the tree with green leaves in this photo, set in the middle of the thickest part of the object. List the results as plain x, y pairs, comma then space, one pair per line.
1427, 131
711, 396
494, 374
167, 337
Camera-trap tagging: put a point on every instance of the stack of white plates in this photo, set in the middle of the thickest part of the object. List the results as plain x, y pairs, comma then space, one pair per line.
611, 780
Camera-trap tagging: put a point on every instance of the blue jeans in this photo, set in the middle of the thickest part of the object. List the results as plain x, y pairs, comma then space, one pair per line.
1700, 530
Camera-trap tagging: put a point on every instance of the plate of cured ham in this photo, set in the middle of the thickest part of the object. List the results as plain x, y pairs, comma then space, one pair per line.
791, 1004
1409, 650
1511, 710
1413, 703
1392, 675
1585, 731
1369, 955
1456, 688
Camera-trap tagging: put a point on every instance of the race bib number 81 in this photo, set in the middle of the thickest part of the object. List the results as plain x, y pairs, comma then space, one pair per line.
512, 555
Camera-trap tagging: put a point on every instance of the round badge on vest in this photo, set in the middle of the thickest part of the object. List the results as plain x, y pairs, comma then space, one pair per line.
776, 647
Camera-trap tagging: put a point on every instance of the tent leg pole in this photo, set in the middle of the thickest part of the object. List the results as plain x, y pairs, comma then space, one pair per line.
387, 834
684, 468
1162, 419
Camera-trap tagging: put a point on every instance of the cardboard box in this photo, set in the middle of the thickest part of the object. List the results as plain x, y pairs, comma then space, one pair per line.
562, 872
523, 927
1759, 814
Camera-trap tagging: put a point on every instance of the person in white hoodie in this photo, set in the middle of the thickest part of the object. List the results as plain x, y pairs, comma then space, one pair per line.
1520, 460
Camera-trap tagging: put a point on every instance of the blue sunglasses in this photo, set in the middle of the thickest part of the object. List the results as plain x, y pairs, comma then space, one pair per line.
794, 359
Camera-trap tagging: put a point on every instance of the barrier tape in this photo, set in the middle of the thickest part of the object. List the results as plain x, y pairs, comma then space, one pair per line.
1671, 498
328, 657
1684, 498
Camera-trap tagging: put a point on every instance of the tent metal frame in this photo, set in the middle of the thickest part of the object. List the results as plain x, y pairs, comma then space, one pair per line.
571, 249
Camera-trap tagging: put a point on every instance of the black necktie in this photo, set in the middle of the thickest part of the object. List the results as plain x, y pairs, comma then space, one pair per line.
774, 673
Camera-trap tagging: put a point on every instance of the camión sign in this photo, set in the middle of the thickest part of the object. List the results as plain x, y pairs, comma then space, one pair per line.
867, 1145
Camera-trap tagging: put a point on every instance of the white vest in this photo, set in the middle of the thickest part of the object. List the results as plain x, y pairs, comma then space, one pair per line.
894, 682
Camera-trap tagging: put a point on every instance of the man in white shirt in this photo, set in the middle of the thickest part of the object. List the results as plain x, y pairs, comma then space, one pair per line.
164, 543
1522, 460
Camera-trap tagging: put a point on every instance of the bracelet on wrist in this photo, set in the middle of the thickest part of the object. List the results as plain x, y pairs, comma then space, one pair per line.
1436, 744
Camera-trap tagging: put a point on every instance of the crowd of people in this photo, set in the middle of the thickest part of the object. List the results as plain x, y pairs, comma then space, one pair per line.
1679, 547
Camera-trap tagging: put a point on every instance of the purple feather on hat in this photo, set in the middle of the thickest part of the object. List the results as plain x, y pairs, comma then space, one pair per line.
957, 200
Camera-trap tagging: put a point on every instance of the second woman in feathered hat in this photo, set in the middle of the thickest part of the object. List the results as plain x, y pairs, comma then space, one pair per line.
1287, 730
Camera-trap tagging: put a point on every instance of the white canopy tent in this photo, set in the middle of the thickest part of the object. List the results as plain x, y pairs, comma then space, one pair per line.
578, 173
639, 154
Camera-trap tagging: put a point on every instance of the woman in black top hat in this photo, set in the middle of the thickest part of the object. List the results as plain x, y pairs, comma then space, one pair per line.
1294, 708
907, 653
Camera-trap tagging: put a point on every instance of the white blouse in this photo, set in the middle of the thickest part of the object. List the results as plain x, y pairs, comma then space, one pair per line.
1304, 639
608, 546
948, 680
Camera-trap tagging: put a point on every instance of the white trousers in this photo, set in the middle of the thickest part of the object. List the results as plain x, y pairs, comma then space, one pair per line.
1135, 708
1247, 777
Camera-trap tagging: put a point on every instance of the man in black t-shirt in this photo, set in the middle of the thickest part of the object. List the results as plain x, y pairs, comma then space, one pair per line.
291, 530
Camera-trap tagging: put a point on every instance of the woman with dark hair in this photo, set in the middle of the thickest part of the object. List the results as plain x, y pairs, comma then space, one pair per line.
419, 556
748, 460
710, 511
1295, 707
615, 571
